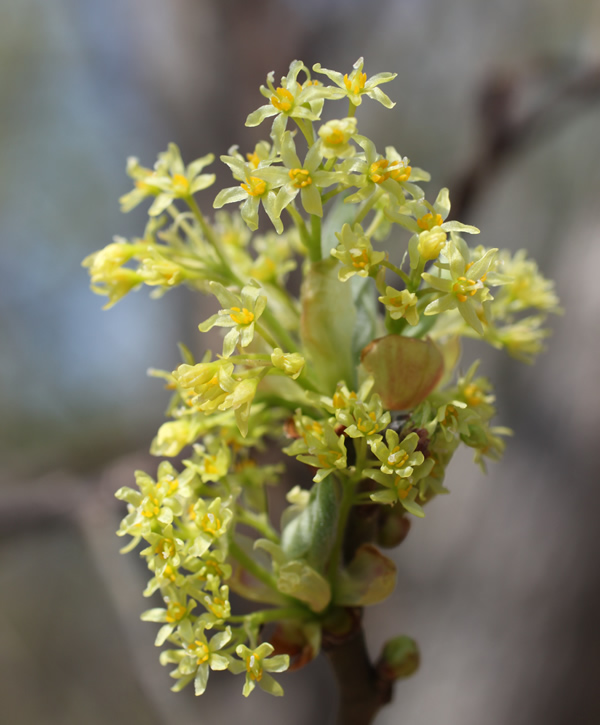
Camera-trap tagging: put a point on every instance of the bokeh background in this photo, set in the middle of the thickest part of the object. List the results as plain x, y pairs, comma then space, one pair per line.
500, 583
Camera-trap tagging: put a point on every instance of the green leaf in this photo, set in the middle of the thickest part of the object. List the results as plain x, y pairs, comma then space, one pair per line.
365, 302
311, 534
368, 579
327, 325
406, 370
299, 580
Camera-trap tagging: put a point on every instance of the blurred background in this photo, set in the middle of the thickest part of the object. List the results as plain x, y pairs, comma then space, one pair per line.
500, 582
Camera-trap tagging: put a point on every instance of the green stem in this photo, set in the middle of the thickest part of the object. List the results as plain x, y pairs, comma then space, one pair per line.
271, 615
212, 239
259, 523
377, 219
330, 194
415, 276
255, 569
278, 330
351, 109
394, 327
307, 130
250, 357
176, 214
266, 336
314, 253
276, 401
388, 265
348, 500
315, 228
364, 210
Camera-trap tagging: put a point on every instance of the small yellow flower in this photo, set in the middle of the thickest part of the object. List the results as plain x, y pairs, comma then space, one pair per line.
401, 304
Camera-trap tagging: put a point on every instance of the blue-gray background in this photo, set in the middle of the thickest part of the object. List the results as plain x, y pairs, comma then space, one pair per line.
500, 582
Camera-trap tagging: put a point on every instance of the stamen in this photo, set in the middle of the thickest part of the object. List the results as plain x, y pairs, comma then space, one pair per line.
300, 177
283, 100
241, 316
255, 186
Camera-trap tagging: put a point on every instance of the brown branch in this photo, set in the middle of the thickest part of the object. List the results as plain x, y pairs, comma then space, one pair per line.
362, 689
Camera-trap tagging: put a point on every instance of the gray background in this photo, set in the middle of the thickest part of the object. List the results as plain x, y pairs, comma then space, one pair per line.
499, 583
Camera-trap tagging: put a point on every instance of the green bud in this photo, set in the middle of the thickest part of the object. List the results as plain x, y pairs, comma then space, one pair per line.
400, 658
292, 364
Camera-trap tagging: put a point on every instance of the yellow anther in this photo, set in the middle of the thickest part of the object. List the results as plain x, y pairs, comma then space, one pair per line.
211, 524
464, 287
335, 138
253, 667
165, 549
180, 184
211, 566
210, 464
218, 607
450, 414
300, 177
400, 172
283, 100
322, 458
338, 400
241, 316
367, 424
428, 221
395, 459
356, 83
175, 612
169, 573
403, 492
311, 83
253, 159
255, 186
151, 507
201, 651
473, 395
360, 260
376, 169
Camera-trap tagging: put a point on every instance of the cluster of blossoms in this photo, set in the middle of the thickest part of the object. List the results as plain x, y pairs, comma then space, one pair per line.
358, 378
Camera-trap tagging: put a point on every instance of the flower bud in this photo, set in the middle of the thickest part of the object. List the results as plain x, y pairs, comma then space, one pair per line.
292, 364
431, 243
400, 658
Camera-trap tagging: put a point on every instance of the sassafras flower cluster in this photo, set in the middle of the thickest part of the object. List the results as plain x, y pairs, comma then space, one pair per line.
358, 377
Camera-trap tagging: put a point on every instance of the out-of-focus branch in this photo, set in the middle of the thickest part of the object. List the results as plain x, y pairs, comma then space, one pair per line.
60, 496
506, 129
